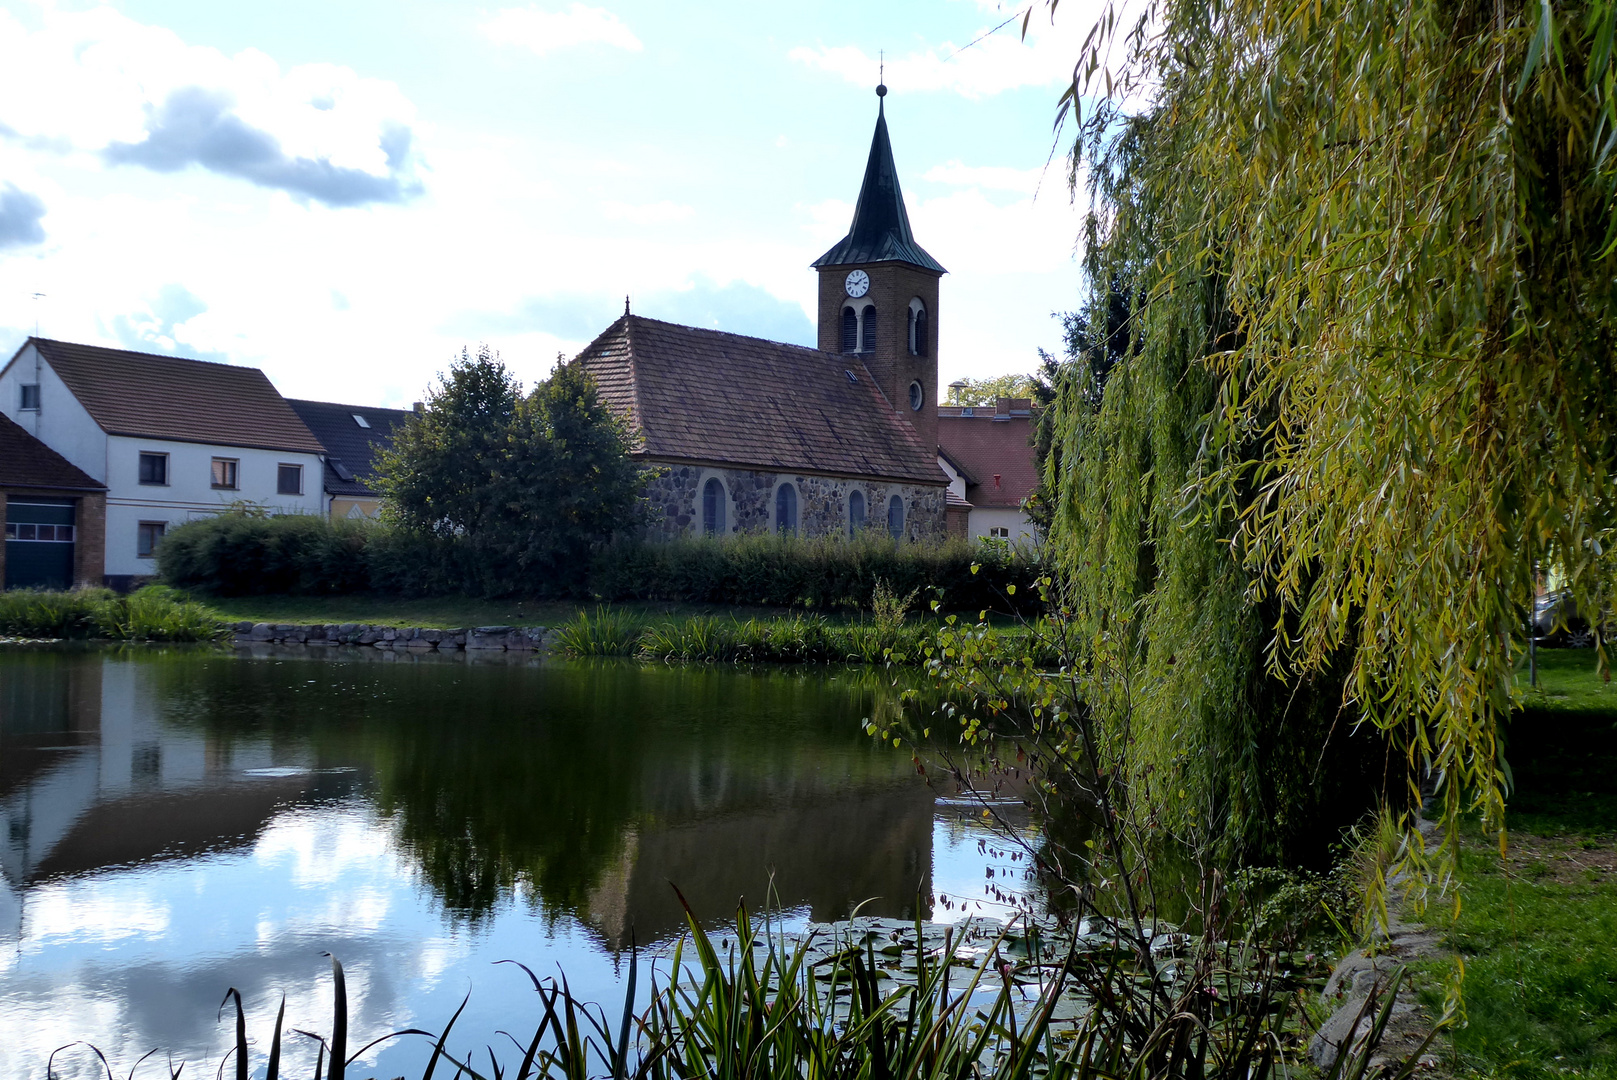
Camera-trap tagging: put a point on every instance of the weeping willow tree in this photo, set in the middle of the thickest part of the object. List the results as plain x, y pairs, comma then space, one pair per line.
1370, 393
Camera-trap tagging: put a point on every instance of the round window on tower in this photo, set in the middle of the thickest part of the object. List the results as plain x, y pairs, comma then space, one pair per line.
917, 396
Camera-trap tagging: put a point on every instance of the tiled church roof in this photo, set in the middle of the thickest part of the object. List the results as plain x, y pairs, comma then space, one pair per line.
708, 396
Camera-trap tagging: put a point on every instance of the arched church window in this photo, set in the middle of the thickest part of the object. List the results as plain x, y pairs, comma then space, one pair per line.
867, 332
918, 335
856, 511
786, 510
713, 508
895, 518
850, 330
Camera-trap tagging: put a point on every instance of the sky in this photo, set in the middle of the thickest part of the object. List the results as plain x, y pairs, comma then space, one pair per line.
348, 194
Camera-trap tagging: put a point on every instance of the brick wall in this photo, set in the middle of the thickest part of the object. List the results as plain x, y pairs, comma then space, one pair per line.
892, 286
822, 502
90, 531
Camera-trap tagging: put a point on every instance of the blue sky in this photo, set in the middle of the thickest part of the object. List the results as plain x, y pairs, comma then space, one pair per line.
345, 194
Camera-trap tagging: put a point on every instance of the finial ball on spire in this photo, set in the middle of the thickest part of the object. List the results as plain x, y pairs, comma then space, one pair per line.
881, 90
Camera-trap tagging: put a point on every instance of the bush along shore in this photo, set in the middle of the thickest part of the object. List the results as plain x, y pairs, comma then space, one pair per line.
154, 613
240, 555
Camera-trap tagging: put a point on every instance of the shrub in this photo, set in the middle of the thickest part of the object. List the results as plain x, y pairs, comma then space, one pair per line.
825, 574
155, 613
237, 554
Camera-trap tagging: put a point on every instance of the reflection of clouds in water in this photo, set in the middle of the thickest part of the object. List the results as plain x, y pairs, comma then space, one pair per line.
104, 910
130, 950
314, 846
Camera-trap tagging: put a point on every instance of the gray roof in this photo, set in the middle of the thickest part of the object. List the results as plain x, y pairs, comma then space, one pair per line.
881, 225
350, 448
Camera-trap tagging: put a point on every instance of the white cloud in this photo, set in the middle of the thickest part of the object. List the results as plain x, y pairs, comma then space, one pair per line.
98, 83
549, 31
648, 213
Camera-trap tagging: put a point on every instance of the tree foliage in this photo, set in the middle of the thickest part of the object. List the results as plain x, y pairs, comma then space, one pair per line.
1374, 393
531, 483
977, 392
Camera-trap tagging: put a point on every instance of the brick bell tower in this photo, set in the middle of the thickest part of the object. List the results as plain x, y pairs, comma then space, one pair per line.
879, 293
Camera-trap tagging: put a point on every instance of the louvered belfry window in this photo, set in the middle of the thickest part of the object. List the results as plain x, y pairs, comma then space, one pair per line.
850, 330
920, 333
868, 337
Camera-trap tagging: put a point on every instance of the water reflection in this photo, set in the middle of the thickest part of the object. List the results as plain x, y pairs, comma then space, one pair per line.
176, 821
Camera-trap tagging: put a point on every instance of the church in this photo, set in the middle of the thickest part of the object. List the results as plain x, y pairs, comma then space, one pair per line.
750, 435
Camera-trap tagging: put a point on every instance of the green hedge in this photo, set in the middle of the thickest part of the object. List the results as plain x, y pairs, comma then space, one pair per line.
236, 555
824, 574
154, 613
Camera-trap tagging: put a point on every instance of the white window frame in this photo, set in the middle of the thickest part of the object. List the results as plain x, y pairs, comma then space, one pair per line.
233, 468
162, 530
288, 465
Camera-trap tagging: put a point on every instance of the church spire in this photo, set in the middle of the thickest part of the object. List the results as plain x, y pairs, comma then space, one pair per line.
881, 225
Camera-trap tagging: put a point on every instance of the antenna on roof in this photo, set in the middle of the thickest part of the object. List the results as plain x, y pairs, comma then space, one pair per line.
38, 296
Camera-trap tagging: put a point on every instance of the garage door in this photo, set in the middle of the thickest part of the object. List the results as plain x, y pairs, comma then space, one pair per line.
39, 544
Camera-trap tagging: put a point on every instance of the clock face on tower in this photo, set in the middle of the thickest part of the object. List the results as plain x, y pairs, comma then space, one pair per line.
858, 284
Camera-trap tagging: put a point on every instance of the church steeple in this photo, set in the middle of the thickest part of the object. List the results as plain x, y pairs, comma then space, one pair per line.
879, 294
881, 225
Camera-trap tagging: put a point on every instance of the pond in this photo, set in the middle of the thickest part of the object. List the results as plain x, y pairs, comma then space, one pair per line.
176, 821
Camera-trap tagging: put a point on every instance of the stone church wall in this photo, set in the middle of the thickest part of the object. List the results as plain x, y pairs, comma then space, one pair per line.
822, 503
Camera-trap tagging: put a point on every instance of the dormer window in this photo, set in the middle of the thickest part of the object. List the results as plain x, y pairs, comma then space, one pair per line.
361, 421
917, 328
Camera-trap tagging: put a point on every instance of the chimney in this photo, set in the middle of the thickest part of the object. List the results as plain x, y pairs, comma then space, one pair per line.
419, 407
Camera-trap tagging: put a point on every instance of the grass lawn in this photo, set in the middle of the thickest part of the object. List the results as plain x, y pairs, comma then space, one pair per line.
1538, 931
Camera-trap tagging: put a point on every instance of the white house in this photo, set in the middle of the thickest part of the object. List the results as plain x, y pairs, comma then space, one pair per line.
173, 439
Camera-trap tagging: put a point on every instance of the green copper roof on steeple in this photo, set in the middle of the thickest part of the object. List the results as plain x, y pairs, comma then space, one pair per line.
881, 226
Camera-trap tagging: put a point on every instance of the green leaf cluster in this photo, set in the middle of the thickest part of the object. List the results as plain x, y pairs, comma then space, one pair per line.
1372, 398
531, 483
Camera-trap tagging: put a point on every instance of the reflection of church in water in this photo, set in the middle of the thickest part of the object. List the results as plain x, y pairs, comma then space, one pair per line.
97, 775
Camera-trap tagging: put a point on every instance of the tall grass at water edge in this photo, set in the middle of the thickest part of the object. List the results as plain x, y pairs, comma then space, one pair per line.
771, 1008
155, 613
793, 639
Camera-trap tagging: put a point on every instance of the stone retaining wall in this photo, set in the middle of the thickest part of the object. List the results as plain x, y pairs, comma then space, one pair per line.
507, 638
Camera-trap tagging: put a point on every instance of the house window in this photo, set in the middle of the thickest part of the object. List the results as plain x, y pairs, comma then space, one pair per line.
154, 469
289, 480
895, 518
867, 329
147, 534
30, 396
1000, 532
224, 473
850, 330
856, 511
713, 500
361, 421
786, 510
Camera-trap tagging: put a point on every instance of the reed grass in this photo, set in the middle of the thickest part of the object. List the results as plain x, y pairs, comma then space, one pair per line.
774, 1008
155, 613
790, 639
